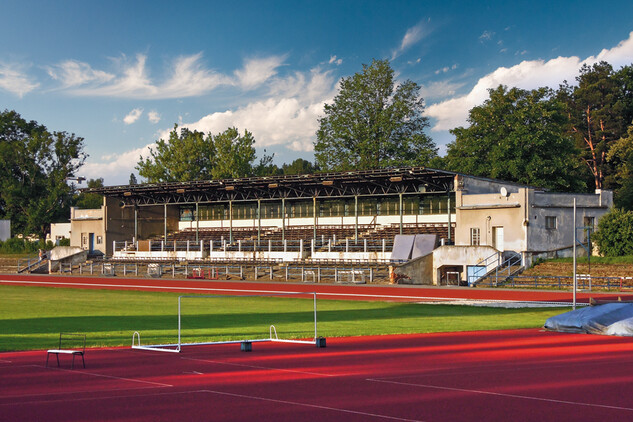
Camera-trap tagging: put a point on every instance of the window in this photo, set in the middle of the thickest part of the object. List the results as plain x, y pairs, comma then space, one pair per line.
99, 240
475, 237
589, 222
550, 222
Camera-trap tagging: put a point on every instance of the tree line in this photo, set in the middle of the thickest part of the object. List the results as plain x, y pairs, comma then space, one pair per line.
576, 138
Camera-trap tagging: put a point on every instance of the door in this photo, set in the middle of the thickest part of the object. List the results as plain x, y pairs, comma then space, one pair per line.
497, 238
91, 242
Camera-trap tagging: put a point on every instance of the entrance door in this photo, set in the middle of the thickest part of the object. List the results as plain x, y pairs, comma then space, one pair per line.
497, 238
91, 242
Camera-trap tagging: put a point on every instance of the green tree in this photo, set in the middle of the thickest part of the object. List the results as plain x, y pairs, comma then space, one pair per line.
614, 236
299, 166
34, 167
620, 157
600, 108
374, 122
133, 180
519, 136
187, 155
235, 154
86, 200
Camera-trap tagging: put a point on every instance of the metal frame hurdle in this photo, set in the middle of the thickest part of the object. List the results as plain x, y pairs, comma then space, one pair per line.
246, 344
79, 351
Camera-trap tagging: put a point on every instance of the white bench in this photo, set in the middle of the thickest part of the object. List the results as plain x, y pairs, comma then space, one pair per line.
78, 347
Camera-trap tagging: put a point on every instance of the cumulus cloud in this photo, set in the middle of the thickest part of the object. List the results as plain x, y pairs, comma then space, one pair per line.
288, 116
153, 116
526, 75
411, 37
117, 167
133, 116
14, 79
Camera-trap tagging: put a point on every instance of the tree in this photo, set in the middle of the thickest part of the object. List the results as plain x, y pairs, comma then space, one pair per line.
133, 180
374, 122
600, 108
192, 155
34, 167
519, 136
614, 236
87, 200
620, 158
235, 154
299, 166
188, 155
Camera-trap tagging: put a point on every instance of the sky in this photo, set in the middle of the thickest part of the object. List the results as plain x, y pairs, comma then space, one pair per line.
121, 74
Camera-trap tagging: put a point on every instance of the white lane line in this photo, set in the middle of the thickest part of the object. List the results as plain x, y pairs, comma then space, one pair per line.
313, 406
117, 397
261, 367
77, 371
73, 394
492, 393
208, 289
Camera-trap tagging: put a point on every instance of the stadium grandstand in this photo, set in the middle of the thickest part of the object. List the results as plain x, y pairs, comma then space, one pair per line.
433, 224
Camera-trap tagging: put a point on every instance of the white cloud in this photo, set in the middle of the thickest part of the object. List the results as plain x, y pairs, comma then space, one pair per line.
257, 71
289, 116
72, 73
438, 90
153, 116
133, 116
14, 80
486, 36
187, 78
411, 37
335, 60
115, 167
526, 75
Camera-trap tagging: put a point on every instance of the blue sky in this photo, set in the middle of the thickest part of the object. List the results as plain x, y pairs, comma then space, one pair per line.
120, 74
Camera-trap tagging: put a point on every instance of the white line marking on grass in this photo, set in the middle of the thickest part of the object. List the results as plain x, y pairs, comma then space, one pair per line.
314, 406
492, 393
261, 367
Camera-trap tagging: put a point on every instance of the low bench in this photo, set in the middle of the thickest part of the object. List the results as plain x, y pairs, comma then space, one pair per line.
77, 343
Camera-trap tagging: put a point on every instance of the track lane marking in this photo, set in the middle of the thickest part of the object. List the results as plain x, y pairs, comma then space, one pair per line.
262, 367
492, 393
313, 406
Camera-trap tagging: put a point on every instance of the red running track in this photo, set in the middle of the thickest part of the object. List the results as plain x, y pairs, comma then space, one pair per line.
347, 292
516, 375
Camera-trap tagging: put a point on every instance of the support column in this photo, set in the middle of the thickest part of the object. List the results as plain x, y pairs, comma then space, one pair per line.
314, 213
401, 211
449, 216
356, 218
136, 224
283, 219
230, 221
197, 222
165, 220
259, 220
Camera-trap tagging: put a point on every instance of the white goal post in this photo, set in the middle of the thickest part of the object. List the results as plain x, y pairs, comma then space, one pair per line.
270, 335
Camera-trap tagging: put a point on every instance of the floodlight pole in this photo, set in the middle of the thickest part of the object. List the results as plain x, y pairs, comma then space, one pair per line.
574, 252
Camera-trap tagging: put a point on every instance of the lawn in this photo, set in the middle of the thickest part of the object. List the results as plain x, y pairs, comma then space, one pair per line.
33, 317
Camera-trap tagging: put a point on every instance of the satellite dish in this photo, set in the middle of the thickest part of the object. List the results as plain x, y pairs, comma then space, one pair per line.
503, 191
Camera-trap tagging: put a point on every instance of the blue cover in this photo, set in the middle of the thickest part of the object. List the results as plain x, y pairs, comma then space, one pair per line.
593, 319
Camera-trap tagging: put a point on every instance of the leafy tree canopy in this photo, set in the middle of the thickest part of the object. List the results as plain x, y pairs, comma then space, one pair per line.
620, 157
34, 167
299, 166
600, 108
520, 136
192, 155
614, 236
374, 122
90, 200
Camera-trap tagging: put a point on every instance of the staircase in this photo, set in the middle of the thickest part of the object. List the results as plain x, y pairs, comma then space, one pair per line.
497, 268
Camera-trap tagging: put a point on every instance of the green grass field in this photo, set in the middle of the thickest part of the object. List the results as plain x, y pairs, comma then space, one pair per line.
33, 317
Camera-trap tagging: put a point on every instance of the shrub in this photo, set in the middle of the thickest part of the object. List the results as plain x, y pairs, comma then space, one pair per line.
615, 233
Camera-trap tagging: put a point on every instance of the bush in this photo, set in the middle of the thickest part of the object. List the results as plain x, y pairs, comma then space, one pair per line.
64, 242
21, 246
615, 233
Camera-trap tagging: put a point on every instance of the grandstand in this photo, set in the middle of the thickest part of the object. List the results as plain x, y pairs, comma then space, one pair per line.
482, 225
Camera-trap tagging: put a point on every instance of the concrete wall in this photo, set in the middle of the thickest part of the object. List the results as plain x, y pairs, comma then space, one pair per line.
59, 231
459, 256
417, 271
83, 224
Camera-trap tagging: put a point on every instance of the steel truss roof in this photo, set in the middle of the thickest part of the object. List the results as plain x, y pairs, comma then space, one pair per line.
321, 185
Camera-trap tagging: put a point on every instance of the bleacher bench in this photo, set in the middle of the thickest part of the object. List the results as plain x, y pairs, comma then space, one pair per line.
75, 345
